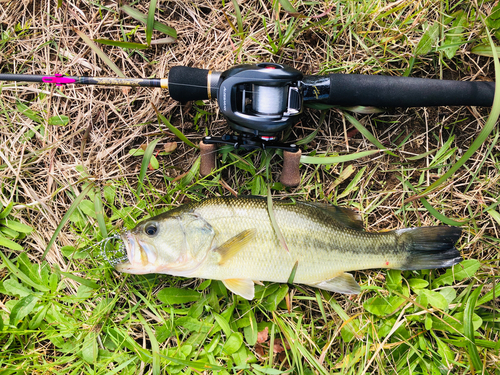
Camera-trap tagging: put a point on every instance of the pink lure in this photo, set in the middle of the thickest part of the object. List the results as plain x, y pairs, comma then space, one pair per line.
58, 79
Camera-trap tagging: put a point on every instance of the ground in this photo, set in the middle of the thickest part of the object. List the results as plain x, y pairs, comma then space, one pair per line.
72, 172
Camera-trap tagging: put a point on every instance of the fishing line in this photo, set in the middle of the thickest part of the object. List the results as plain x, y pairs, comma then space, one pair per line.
114, 255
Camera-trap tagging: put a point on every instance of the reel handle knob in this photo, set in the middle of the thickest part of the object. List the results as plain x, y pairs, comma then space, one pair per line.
290, 176
208, 151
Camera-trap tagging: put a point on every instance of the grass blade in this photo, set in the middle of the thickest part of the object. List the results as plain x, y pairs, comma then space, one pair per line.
80, 280
299, 350
5, 242
308, 139
292, 274
115, 43
20, 275
194, 365
421, 156
135, 14
365, 110
66, 217
469, 330
238, 16
485, 50
288, 7
188, 177
311, 136
145, 164
23, 228
485, 158
7, 210
118, 369
100, 53
155, 347
432, 210
353, 185
492, 294
336, 159
366, 133
274, 223
173, 129
150, 21
229, 22
440, 216
166, 40
99, 213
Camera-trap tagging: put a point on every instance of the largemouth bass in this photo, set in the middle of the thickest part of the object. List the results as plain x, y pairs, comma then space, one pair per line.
233, 240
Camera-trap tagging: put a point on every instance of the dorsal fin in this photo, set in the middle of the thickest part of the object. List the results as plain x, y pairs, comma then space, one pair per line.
345, 216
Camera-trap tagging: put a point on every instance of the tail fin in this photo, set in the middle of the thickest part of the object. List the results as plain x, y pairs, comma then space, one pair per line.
430, 247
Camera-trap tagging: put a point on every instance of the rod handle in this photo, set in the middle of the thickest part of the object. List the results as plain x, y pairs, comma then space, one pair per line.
389, 91
186, 84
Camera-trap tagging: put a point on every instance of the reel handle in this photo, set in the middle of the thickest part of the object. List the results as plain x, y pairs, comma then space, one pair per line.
388, 91
208, 152
186, 84
290, 175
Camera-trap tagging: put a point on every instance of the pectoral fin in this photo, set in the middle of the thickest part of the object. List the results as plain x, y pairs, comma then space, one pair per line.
344, 283
241, 287
232, 246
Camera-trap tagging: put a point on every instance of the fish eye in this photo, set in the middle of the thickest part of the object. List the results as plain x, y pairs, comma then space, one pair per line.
151, 229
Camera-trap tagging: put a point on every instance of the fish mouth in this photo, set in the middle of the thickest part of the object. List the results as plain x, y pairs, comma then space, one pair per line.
140, 257
125, 263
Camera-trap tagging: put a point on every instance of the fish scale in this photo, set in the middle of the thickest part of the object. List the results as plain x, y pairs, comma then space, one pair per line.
233, 240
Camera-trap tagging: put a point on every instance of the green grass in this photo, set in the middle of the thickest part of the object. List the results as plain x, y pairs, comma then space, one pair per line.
80, 164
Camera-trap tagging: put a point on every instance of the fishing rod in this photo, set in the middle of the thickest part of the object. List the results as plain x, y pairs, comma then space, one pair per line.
259, 101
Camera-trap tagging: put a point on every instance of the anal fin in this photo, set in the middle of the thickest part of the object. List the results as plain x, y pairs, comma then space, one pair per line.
242, 287
344, 284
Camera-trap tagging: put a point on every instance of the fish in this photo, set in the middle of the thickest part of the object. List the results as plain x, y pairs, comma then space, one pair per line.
233, 239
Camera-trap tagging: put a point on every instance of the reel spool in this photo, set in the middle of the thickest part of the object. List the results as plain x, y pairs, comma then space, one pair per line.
262, 99
268, 100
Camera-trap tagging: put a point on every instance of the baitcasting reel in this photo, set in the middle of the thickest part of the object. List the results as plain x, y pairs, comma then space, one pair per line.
258, 101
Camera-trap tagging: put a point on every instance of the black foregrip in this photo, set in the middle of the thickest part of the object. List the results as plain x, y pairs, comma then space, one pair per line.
387, 91
185, 84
